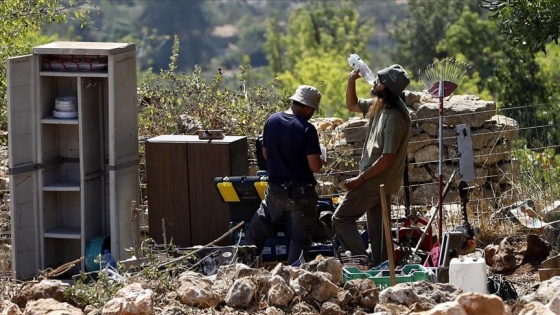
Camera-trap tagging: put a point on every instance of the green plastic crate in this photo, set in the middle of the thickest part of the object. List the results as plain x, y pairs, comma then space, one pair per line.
382, 278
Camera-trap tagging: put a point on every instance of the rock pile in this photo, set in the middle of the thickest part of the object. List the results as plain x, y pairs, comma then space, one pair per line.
315, 288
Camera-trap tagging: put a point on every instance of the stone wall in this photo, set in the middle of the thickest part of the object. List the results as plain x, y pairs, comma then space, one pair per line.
492, 136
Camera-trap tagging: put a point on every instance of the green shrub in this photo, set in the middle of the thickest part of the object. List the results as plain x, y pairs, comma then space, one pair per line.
166, 97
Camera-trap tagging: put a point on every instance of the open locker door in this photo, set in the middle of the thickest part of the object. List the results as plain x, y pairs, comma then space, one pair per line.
124, 186
23, 167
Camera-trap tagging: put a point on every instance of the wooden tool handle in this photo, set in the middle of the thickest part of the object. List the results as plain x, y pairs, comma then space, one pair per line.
388, 236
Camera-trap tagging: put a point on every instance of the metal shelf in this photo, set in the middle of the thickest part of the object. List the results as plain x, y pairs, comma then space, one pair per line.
62, 186
74, 74
66, 232
59, 121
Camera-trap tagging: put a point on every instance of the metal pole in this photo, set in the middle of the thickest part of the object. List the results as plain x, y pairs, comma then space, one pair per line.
434, 208
440, 166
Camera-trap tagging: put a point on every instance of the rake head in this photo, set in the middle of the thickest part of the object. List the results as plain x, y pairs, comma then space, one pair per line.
447, 72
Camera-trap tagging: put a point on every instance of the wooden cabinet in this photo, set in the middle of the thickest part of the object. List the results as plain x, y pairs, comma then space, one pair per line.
73, 145
183, 201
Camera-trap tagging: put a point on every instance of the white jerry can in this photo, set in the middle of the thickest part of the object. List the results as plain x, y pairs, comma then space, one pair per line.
468, 274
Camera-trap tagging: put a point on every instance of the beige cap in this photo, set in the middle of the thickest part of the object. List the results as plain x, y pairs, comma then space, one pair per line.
307, 95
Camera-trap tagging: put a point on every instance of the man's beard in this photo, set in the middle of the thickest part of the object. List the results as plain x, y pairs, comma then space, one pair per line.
379, 94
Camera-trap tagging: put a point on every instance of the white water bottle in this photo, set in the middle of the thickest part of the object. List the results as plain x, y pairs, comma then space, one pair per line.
365, 72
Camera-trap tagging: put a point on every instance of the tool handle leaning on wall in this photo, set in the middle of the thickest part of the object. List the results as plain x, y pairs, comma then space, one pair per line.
388, 236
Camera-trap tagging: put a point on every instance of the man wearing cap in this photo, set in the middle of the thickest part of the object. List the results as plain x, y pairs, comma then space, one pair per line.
292, 152
382, 161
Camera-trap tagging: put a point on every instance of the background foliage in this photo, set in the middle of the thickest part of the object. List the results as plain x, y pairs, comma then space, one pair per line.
527, 24
179, 103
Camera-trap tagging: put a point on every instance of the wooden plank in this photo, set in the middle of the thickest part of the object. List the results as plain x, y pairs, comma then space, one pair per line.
388, 237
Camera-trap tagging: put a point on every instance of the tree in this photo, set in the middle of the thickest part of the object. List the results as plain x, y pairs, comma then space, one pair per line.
550, 72
274, 44
327, 71
510, 74
20, 26
527, 24
318, 39
476, 39
314, 28
415, 38
187, 20
234, 50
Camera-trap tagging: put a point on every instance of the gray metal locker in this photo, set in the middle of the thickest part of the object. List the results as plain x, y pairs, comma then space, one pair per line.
73, 143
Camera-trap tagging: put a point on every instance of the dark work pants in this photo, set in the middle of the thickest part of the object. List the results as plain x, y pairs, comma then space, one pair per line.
296, 202
365, 198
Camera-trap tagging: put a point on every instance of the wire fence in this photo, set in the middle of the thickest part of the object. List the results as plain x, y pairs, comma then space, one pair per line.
514, 161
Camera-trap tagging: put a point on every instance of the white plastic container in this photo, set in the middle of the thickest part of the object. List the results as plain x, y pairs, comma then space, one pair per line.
468, 274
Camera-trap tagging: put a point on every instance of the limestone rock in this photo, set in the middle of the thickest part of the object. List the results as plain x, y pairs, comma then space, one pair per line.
50, 306
131, 300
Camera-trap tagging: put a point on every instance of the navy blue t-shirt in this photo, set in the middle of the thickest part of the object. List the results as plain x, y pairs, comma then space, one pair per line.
288, 140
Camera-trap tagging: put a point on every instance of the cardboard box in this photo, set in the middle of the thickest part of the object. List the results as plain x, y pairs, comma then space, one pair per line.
550, 268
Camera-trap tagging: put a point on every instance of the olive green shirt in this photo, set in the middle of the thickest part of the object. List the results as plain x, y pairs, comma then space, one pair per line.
387, 132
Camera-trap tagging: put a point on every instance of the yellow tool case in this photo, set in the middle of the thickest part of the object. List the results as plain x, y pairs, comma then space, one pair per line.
243, 193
